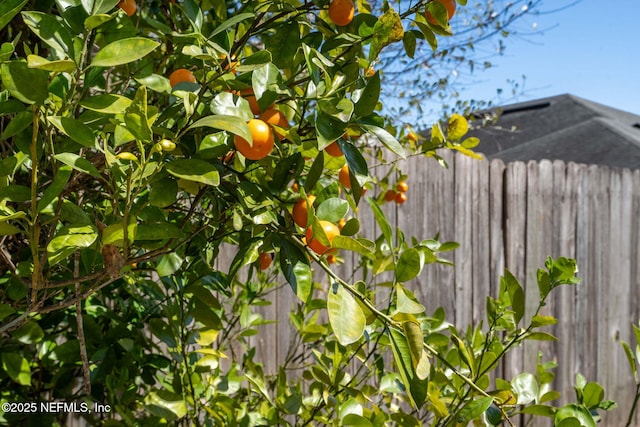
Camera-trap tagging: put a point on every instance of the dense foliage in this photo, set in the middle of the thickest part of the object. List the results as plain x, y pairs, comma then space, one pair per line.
122, 182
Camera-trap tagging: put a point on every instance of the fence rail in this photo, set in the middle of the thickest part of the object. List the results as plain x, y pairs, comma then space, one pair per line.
515, 215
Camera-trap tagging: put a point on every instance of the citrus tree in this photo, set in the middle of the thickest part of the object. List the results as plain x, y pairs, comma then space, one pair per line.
140, 142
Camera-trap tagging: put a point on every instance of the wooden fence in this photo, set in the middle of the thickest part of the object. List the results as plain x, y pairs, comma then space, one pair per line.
514, 216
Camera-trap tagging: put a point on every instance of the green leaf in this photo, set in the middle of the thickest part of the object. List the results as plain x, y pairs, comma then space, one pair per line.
113, 234
381, 220
296, 269
541, 336
78, 163
17, 368
52, 30
15, 193
416, 388
6, 310
474, 409
631, 359
332, 209
157, 231
388, 29
136, 117
8, 229
9, 9
510, 285
525, 387
56, 187
345, 315
369, 96
409, 42
387, 139
235, 125
124, 51
108, 104
169, 264
415, 339
58, 66
542, 410
68, 240
539, 320
355, 420
25, 84
18, 123
592, 395
194, 170
29, 333
94, 21
409, 265
74, 129
163, 193
406, 302
166, 405
571, 412
360, 246
231, 22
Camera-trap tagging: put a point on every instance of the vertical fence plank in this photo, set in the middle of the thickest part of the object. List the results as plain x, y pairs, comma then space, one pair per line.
481, 245
566, 180
496, 222
463, 256
515, 240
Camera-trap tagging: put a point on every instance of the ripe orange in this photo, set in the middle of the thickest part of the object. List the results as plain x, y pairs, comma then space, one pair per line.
265, 260
275, 117
343, 177
181, 75
401, 198
330, 230
402, 187
262, 141
390, 195
129, 6
300, 210
333, 149
451, 10
331, 259
341, 12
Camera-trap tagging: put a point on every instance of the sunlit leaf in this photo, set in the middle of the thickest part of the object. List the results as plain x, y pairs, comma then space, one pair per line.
345, 315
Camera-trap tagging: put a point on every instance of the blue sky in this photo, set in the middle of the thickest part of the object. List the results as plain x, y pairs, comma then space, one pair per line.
591, 50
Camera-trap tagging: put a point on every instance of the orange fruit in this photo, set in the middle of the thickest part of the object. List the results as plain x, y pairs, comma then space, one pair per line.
330, 230
262, 141
401, 198
390, 195
343, 177
451, 10
275, 117
265, 260
129, 6
402, 187
333, 149
341, 12
181, 75
331, 259
300, 209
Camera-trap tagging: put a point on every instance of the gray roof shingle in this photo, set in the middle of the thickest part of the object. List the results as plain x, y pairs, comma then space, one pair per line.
563, 127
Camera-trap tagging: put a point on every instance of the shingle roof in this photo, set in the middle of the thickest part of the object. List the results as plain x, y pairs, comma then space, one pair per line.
563, 127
